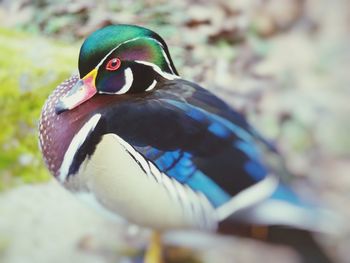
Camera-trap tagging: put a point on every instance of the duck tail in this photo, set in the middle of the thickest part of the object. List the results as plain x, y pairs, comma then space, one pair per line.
302, 241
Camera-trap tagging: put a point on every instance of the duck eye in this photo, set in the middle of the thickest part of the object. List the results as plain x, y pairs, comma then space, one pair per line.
113, 64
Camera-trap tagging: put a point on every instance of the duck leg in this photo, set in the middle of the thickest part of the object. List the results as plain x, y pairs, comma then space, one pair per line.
154, 253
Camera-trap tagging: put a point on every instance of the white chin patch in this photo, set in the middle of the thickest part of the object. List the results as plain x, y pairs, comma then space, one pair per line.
129, 78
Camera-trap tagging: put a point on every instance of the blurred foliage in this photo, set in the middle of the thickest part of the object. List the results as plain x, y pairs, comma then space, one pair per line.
29, 70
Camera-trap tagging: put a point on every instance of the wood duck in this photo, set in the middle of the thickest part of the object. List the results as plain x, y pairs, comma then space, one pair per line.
161, 151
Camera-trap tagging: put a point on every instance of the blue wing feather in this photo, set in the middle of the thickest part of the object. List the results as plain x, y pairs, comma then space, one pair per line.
193, 137
181, 164
198, 140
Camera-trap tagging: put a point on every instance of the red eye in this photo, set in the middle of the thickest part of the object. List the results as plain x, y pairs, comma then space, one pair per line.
113, 64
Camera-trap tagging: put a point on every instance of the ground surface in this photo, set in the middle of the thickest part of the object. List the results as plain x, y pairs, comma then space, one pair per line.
285, 63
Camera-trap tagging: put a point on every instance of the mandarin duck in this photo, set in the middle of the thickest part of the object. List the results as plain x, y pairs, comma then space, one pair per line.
165, 153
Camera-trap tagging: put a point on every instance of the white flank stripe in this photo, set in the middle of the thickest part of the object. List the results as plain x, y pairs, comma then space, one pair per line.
127, 146
193, 199
284, 213
156, 173
143, 163
157, 69
139, 158
196, 206
151, 87
129, 78
75, 144
208, 210
184, 198
169, 185
248, 197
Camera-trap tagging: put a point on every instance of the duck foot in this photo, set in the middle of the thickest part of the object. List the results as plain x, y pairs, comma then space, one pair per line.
154, 253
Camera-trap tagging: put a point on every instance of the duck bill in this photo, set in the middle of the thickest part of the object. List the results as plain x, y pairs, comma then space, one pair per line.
83, 90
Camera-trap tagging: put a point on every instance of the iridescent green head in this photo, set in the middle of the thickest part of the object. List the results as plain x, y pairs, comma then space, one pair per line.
119, 59
127, 42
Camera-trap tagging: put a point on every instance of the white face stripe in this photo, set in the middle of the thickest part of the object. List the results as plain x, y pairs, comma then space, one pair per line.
112, 50
134, 39
151, 87
248, 197
157, 69
167, 59
75, 144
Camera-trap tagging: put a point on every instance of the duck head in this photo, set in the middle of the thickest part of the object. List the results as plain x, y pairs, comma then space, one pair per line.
119, 59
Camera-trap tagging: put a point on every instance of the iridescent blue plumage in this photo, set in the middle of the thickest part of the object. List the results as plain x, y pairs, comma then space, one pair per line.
179, 165
193, 137
196, 139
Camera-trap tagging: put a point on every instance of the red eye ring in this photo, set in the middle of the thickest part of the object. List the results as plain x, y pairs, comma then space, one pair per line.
113, 64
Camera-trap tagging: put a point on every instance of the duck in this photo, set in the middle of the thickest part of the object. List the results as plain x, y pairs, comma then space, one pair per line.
141, 142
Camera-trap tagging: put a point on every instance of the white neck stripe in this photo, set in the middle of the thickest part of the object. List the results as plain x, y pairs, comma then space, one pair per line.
75, 144
151, 87
157, 69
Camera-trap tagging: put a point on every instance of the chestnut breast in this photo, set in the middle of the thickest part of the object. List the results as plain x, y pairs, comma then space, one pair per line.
57, 131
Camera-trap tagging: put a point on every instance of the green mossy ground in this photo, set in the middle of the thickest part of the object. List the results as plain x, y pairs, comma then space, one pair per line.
30, 68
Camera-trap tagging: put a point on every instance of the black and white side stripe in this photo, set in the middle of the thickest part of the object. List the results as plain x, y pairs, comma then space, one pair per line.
195, 205
75, 145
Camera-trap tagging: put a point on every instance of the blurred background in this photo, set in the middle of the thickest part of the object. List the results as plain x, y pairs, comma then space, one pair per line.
284, 63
